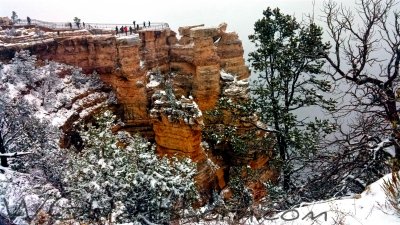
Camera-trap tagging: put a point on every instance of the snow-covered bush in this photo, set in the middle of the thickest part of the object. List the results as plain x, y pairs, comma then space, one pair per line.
17, 135
39, 33
92, 82
11, 32
23, 65
118, 178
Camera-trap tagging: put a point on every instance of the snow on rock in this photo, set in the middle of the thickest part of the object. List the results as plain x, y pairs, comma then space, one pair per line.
177, 124
54, 97
29, 36
233, 88
184, 109
152, 84
226, 76
131, 39
155, 79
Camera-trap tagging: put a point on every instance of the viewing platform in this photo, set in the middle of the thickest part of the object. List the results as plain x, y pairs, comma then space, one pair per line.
95, 28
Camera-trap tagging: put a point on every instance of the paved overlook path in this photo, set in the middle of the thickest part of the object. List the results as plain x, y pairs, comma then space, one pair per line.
91, 27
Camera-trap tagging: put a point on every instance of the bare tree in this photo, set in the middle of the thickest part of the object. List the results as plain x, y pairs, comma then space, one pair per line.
364, 62
365, 54
350, 161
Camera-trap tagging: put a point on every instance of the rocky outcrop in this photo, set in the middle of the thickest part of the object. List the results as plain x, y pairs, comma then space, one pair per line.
154, 49
5, 21
177, 124
202, 52
230, 51
164, 85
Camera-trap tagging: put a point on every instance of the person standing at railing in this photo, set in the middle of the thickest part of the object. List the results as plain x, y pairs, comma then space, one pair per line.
126, 30
137, 27
121, 29
134, 23
130, 30
83, 24
70, 26
28, 19
144, 24
149, 23
116, 30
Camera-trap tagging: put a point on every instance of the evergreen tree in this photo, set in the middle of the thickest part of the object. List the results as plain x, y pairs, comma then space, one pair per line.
16, 135
14, 17
21, 132
118, 178
288, 60
23, 69
77, 21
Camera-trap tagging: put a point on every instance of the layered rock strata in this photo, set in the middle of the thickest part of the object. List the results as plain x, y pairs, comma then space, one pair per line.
164, 85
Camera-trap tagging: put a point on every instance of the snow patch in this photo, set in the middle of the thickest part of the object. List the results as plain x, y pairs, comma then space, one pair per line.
226, 76
153, 84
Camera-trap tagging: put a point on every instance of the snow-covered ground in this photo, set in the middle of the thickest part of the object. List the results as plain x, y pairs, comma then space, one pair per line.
368, 208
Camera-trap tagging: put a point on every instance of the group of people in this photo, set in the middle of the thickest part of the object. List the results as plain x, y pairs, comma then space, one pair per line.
78, 24
144, 24
125, 29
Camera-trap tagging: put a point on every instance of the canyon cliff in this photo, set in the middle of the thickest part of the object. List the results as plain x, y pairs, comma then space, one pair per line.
165, 85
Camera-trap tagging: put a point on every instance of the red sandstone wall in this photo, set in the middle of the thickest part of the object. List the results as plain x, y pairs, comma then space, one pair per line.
195, 61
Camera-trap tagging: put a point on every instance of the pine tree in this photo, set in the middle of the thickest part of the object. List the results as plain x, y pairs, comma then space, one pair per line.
20, 132
77, 21
14, 16
288, 60
23, 71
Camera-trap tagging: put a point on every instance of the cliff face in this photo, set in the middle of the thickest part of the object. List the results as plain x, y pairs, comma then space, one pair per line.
164, 85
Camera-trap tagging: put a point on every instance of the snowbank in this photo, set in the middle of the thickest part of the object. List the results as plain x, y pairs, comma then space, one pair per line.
368, 208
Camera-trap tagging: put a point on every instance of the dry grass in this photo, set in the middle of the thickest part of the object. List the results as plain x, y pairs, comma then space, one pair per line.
392, 192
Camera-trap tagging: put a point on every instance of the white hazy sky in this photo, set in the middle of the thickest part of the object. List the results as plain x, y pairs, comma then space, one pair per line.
240, 15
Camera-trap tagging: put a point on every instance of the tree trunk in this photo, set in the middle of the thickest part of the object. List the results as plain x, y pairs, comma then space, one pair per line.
393, 117
281, 136
3, 159
286, 170
283, 156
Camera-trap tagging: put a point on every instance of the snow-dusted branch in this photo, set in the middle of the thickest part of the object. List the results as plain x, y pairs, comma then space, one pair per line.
15, 154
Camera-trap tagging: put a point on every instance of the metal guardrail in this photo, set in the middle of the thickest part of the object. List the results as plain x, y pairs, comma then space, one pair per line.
89, 26
156, 26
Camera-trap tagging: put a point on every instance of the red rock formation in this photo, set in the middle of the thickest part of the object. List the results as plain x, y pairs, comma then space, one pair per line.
138, 69
154, 48
177, 124
230, 51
